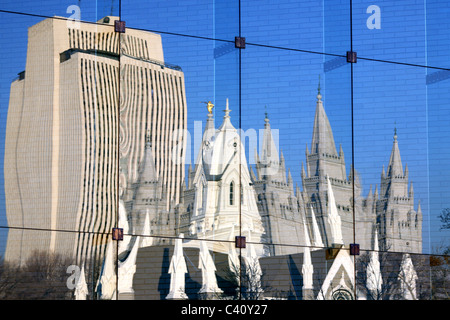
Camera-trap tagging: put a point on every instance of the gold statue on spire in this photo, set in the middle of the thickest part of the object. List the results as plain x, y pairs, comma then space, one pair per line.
209, 106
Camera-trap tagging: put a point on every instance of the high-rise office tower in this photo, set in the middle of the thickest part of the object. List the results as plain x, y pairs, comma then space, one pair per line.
78, 120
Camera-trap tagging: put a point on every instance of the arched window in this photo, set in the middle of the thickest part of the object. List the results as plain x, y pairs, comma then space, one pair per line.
232, 193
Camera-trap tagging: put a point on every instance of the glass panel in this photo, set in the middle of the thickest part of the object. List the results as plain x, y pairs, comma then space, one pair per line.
182, 269
307, 25
422, 27
312, 274
385, 275
60, 156
437, 37
297, 126
40, 274
91, 11
437, 90
391, 156
214, 19
168, 161
13, 61
391, 31
438, 108
171, 153
169, 135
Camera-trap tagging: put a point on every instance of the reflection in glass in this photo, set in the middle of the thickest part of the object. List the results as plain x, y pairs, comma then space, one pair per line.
152, 134
391, 154
97, 145
59, 140
385, 275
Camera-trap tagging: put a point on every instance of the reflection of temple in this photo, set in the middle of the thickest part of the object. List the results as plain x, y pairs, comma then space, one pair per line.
297, 240
68, 136
63, 156
324, 205
220, 199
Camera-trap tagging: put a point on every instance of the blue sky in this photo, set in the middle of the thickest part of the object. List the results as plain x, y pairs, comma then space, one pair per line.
289, 44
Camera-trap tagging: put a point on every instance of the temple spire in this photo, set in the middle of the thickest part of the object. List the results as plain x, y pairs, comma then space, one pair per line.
147, 240
207, 134
307, 267
395, 167
317, 237
374, 279
147, 171
323, 140
408, 278
177, 271
333, 217
81, 289
226, 124
206, 264
107, 281
227, 110
269, 161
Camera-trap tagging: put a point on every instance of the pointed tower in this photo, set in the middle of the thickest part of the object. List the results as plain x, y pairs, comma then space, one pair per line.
206, 264
318, 243
106, 285
194, 193
407, 278
322, 139
268, 159
374, 280
126, 270
177, 271
81, 289
395, 182
209, 132
307, 269
222, 193
400, 224
334, 219
149, 200
324, 161
278, 206
147, 239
